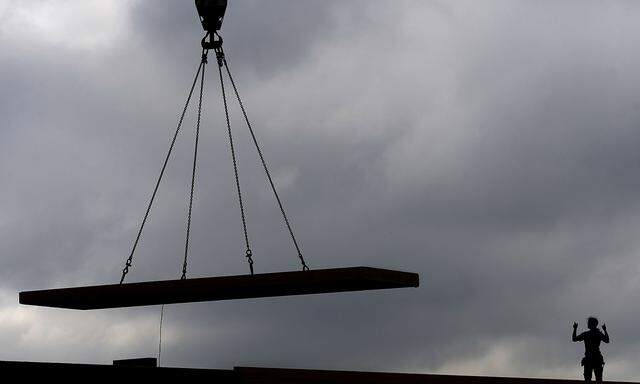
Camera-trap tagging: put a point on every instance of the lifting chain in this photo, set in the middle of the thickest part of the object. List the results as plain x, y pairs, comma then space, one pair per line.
248, 252
222, 57
215, 43
129, 260
195, 161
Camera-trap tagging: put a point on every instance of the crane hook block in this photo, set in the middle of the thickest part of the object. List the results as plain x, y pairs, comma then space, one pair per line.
211, 13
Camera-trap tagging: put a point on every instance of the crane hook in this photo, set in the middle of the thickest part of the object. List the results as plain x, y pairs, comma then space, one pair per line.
215, 41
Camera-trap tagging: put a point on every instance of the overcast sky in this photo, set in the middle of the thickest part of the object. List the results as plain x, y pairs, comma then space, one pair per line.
492, 147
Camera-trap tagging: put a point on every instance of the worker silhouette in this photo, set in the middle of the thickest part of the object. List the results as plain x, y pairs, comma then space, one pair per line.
592, 360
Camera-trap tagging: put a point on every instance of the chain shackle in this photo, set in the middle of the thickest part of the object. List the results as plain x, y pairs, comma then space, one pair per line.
214, 42
219, 56
249, 256
305, 267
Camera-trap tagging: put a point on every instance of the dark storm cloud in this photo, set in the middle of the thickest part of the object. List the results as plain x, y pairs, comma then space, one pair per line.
264, 39
492, 148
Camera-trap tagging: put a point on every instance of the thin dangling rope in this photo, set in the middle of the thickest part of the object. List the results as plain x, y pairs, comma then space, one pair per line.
160, 336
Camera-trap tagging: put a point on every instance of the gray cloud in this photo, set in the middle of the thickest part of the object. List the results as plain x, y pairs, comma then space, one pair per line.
492, 148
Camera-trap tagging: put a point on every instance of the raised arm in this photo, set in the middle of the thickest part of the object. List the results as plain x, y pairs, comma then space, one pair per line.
573, 336
605, 337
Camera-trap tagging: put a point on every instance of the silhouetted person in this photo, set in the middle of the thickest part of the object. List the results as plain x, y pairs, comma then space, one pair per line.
593, 360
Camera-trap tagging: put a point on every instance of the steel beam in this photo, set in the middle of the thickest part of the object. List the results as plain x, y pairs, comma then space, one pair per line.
221, 288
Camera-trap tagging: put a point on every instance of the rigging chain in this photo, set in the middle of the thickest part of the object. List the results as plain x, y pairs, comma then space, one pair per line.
217, 46
129, 261
223, 61
195, 160
248, 252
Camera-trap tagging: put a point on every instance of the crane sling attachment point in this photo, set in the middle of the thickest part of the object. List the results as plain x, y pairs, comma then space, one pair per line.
226, 287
